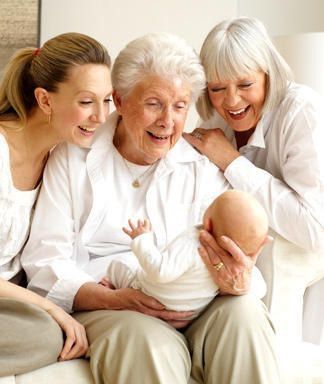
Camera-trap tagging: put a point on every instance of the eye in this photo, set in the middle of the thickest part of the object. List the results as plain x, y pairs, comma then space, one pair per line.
153, 103
245, 85
86, 102
181, 105
216, 89
108, 100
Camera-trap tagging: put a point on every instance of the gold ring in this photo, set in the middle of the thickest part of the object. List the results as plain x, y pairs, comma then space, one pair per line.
218, 266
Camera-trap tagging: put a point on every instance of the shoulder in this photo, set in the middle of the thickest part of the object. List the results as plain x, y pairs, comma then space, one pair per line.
299, 97
184, 153
214, 121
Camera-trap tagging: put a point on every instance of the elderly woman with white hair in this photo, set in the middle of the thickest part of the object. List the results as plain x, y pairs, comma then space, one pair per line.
140, 166
266, 134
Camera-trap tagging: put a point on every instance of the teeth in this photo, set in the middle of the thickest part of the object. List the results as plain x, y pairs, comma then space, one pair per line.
88, 129
237, 112
159, 137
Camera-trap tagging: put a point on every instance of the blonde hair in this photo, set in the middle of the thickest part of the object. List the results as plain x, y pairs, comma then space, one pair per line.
162, 54
45, 67
232, 50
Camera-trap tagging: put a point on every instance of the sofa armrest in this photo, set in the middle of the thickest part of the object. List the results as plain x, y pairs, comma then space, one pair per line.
288, 270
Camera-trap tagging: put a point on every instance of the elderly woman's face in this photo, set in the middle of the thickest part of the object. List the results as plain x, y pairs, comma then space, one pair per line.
153, 117
239, 102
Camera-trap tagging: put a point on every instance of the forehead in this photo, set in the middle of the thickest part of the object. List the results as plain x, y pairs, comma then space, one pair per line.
156, 86
88, 77
257, 76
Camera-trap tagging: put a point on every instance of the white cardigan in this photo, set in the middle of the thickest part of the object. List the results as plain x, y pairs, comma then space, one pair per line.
75, 197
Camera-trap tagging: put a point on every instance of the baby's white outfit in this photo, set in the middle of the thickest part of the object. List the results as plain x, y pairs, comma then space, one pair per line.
175, 276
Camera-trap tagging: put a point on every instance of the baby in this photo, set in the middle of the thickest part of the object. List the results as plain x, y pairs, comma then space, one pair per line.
176, 276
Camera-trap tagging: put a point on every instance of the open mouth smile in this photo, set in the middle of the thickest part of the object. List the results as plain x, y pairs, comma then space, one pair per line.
158, 137
87, 129
238, 112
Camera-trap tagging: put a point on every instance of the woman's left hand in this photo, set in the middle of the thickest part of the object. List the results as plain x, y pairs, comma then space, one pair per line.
213, 144
230, 268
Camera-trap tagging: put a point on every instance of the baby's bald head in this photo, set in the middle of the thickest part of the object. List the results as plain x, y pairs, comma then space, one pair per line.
239, 216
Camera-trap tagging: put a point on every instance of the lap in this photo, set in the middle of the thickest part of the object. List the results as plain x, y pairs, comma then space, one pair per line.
29, 337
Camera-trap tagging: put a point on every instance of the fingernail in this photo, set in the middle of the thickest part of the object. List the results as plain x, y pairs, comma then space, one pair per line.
224, 238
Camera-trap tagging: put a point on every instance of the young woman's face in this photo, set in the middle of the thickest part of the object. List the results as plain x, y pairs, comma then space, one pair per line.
81, 104
239, 102
153, 118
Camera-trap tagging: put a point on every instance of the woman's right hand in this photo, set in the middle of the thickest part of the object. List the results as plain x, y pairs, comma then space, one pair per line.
76, 343
135, 300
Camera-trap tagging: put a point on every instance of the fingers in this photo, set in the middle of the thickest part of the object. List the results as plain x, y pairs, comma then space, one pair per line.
137, 229
138, 301
76, 343
178, 324
127, 231
215, 252
233, 249
106, 283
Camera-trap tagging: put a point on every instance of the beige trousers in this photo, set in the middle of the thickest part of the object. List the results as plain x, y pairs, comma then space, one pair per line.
29, 338
232, 342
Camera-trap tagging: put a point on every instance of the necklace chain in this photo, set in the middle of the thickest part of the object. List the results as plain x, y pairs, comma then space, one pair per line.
136, 180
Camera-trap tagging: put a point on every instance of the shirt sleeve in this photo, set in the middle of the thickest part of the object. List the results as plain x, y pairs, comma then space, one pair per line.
166, 265
295, 201
50, 255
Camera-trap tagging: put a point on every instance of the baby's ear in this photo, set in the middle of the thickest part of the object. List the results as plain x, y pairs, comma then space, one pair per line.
208, 225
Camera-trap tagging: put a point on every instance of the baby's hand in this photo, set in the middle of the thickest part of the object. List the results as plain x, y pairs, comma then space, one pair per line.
143, 226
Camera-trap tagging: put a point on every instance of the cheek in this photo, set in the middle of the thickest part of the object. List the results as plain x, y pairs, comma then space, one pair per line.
216, 101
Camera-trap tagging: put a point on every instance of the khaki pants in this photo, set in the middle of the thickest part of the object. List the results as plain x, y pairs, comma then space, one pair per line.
29, 338
232, 342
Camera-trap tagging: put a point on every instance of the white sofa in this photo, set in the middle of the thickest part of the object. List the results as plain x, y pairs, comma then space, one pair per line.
287, 277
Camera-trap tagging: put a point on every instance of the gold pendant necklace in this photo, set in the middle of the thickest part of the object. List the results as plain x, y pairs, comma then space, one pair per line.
136, 183
136, 180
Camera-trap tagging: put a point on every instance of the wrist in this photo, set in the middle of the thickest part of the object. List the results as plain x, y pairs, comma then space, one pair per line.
226, 162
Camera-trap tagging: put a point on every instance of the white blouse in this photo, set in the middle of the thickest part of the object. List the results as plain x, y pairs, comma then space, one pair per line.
282, 165
15, 210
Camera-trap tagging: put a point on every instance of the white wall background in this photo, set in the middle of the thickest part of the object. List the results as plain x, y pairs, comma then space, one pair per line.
116, 22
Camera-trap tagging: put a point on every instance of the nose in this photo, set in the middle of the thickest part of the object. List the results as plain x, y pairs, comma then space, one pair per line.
100, 114
232, 97
165, 119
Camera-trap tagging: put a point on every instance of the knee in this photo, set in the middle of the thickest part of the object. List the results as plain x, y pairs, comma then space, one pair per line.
240, 313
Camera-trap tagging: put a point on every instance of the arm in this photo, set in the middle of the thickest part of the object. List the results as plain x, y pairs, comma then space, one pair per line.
76, 343
291, 190
163, 266
51, 257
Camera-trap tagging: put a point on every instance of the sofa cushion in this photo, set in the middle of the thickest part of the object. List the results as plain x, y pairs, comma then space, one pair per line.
66, 372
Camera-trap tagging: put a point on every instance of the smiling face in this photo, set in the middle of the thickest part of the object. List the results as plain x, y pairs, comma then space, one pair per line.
239, 102
153, 117
81, 104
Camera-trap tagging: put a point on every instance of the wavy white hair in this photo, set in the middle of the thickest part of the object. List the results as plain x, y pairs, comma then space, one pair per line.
160, 54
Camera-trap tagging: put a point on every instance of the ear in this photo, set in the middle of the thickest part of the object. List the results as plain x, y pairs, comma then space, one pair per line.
208, 225
117, 101
42, 97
